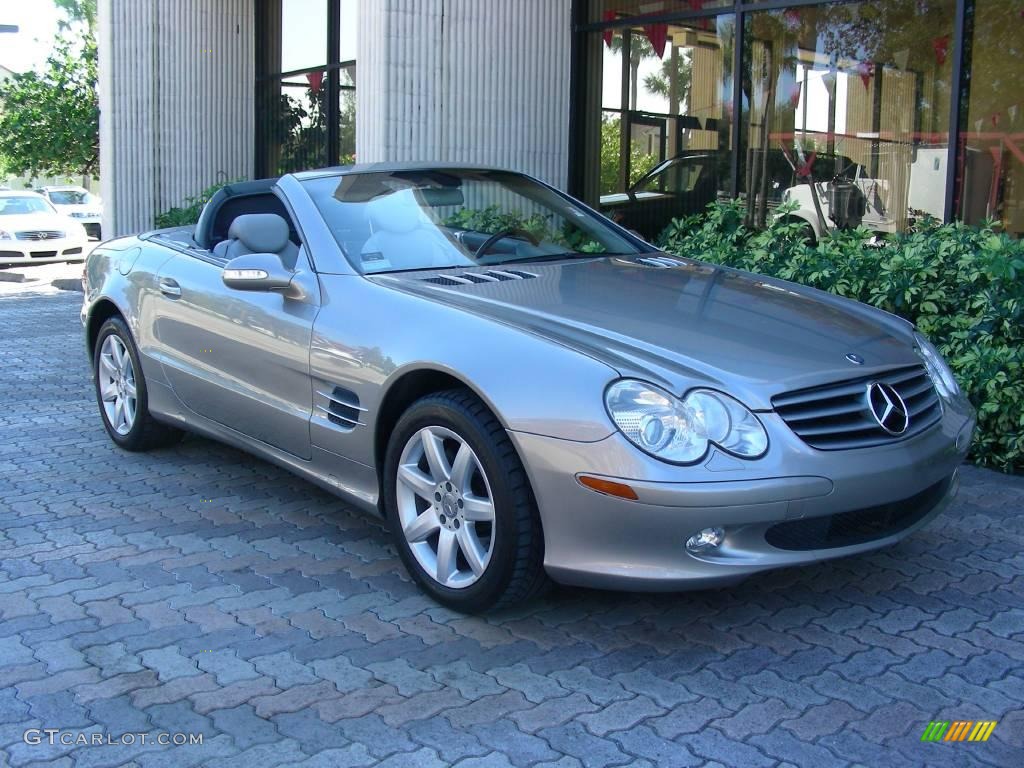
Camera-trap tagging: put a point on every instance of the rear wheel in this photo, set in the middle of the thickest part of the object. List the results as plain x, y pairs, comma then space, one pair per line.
121, 392
459, 505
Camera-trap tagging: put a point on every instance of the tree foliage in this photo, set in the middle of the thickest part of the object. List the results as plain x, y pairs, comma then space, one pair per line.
49, 120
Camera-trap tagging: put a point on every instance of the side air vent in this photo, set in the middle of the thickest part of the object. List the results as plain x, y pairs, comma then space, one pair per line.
662, 262
341, 406
473, 278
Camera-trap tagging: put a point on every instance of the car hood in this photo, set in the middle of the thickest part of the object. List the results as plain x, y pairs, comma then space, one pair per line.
30, 222
682, 323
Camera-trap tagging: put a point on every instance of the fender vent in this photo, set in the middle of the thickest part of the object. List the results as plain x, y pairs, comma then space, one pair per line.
472, 278
341, 407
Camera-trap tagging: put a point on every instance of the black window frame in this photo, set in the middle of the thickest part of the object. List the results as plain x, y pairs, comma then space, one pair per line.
333, 85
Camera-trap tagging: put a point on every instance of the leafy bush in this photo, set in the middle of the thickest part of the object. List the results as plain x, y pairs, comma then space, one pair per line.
962, 286
189, 212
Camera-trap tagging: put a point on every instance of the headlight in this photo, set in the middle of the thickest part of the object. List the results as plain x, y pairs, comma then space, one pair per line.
938, 369
680, 431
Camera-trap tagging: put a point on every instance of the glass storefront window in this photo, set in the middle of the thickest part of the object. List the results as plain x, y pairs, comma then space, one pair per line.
299, 48
299, 124
990, 161
658, 129
846, 113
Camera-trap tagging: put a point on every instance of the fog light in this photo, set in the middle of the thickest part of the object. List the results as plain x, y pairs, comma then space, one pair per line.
709, 538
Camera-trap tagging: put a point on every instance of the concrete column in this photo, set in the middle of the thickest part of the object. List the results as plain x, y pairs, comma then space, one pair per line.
176, 103
465, 81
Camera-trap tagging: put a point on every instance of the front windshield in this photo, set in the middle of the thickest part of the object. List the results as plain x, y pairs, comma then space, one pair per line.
19, 206
434, 219
70, 197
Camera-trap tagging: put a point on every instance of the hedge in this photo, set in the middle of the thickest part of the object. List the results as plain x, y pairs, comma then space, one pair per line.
962, 286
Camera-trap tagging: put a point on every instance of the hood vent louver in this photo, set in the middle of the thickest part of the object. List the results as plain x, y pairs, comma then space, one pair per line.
473, 278
662, 262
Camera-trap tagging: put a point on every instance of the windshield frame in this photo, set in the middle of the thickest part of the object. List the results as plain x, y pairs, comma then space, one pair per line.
592, 216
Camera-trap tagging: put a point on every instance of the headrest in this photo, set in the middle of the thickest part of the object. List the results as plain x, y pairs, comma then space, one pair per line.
260, 232
397, 212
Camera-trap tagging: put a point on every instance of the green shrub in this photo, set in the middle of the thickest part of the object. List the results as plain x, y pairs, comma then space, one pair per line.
962, 286
189, 212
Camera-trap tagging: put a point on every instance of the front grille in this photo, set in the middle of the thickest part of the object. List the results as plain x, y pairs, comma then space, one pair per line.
838, 416
43, 254
857, 527
39, 234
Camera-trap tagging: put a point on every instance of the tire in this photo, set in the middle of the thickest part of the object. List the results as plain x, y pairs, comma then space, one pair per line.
495, 563
141, 432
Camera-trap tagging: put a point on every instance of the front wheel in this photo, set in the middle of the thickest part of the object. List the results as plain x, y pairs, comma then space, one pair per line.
121, 392
459, 505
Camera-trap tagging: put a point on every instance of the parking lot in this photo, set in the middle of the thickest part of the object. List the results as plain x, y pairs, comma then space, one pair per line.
199, 590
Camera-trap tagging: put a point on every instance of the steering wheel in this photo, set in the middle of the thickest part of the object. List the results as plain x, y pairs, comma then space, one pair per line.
516, 232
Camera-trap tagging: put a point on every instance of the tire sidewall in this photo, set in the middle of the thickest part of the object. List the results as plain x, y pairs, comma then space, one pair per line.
495, 579
117, 327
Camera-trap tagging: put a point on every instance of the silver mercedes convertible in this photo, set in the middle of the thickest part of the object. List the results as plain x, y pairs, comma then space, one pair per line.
524, 390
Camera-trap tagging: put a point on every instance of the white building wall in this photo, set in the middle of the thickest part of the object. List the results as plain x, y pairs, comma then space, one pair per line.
465, 81
176, 103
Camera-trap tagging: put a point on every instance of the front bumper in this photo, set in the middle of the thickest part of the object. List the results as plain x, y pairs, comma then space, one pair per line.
813, 505
41, 251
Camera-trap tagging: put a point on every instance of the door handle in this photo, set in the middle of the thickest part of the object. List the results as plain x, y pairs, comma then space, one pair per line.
169, 287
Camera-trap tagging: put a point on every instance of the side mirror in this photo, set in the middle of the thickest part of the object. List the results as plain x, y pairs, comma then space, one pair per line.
256, 272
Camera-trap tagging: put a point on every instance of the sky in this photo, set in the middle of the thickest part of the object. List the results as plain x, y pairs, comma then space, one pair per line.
37, 22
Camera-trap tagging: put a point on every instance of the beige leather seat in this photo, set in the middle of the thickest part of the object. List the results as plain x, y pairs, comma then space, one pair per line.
258, 233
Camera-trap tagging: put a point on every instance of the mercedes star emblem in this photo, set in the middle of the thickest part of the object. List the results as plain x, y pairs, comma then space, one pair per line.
888, 408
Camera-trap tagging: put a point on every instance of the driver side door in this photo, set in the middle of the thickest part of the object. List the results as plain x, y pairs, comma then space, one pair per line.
239, 358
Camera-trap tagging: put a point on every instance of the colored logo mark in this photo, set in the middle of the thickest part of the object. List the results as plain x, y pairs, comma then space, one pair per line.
958, 730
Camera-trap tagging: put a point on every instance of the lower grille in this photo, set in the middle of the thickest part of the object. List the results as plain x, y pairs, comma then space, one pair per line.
838, 416
857, 527
43, 254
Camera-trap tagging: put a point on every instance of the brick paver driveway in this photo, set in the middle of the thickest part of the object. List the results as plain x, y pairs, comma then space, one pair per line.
200, 590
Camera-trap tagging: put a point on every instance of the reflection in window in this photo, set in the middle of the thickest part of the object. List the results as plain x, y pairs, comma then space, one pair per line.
846, 113
658, 126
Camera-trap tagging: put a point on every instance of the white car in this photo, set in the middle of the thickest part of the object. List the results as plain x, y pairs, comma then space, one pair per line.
78, 203
32, 232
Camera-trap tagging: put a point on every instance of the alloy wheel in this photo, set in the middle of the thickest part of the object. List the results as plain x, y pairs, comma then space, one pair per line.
445, 507
116, 381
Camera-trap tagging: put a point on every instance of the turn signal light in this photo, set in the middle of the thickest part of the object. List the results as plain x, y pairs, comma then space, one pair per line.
607, 487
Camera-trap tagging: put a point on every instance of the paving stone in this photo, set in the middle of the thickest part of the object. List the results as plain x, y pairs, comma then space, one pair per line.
226, 667
407, 680
470, 684
168, 663
284, 670
379, 738
622, 715
534, 687
451, 744
643, 742
573, 739
553, 712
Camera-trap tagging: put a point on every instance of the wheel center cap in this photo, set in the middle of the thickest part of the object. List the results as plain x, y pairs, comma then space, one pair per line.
448, 505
